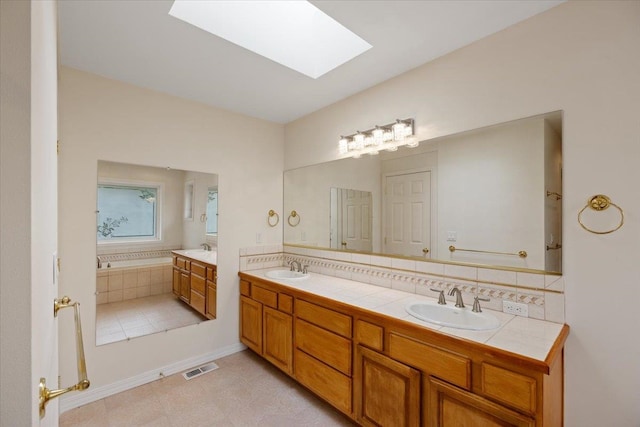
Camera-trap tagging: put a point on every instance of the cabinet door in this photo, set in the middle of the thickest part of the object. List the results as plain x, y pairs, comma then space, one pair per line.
450, 406
212, 299
185, 286
251, 324
387, 392
277, 338
176, 282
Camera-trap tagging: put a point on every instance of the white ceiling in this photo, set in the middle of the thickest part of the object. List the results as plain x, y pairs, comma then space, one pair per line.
138, 42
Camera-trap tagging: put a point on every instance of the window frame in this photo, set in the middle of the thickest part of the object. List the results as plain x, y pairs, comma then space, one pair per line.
158, 186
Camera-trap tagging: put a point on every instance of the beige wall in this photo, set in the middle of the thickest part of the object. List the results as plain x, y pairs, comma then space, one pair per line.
102, 119
580, 57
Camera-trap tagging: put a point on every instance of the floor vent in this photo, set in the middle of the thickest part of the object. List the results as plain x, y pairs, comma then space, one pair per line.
196, 372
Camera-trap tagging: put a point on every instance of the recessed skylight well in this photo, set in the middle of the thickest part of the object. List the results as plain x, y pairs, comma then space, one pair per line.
294, 33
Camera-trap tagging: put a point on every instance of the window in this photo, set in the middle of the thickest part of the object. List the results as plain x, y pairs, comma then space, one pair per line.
212, 211
127, 212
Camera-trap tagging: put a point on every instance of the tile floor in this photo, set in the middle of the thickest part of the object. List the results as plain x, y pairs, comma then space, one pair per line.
121, 320
244, 391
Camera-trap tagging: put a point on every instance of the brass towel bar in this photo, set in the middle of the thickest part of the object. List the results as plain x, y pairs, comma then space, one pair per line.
83, 383
521, 254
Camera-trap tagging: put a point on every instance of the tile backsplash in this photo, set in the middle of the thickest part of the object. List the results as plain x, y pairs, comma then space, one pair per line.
543, 293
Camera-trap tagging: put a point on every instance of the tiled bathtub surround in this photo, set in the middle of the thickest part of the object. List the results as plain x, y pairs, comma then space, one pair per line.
119, 284
543, 293
132, 254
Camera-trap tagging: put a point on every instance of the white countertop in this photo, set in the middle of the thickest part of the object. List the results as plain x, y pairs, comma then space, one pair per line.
521, 335
210, 257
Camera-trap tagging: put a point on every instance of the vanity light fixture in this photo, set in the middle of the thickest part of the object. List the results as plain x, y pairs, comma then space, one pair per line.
388, 137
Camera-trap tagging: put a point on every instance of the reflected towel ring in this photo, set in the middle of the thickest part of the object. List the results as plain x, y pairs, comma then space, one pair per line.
272, 214
293, 214
600, 202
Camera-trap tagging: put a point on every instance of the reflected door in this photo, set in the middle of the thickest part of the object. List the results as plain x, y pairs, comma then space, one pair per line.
355, 228
407, 209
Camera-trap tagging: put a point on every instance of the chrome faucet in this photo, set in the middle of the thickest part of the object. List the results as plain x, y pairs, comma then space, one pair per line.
99, 262
476, 304
458, 294
206, 246
441, 299
293, 263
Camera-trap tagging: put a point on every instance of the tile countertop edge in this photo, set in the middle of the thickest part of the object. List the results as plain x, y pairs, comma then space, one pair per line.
553, 347
212, 260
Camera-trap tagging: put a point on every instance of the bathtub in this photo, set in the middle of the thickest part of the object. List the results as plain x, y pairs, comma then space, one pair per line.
133, 278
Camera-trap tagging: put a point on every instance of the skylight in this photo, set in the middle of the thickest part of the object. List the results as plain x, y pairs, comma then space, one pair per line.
294, 33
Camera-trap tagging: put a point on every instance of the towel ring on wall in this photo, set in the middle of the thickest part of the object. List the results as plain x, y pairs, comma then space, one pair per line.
294, 215
273, 214
600, 202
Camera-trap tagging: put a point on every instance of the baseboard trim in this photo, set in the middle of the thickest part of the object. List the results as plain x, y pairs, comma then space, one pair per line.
76, 400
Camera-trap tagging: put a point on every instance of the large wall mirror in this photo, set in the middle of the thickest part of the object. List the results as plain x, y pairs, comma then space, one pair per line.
143, 214
485, 197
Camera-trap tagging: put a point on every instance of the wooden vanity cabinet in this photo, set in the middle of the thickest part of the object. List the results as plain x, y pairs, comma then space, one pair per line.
212, 292
323, 353
182, 278
382, 371
266, 326
195, 283
387, 392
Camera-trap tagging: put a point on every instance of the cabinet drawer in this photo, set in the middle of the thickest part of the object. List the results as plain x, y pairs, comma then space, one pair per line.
180, 262
211, 274
326, 346
511, 388
197, 284
265, 296
245, 288
197, 301
199, 269
369, 334
328, 319
324, 381
445, 365
285, 303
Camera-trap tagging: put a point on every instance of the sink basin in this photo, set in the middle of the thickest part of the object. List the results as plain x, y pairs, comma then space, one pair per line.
202, 255
286, 275
448, 315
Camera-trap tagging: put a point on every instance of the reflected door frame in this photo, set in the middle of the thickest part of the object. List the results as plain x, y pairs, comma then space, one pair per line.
432, 221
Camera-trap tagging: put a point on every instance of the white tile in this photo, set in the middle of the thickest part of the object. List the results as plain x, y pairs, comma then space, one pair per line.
403, 285
461, 271
497, 276
403, 264
430, 267
361, 259
380, 261
555, 285
530, 280
554, 307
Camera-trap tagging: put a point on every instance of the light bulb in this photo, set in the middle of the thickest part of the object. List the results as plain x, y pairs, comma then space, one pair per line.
358, 138
398, 131
343, 145
378, 135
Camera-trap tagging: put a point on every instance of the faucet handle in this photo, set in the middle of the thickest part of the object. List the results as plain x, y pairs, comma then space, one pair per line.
304, 269
441, 299
476, 304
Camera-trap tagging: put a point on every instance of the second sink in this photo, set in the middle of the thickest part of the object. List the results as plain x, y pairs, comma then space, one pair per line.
461, 318
286, 275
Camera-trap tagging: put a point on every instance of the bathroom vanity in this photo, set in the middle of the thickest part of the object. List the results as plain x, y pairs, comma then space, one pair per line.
381, 368
195, 280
